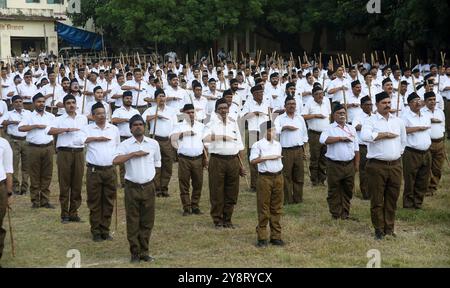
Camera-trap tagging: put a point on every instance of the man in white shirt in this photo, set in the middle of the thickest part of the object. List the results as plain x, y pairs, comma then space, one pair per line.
225, 165
386, 135
27, 90
437, 147
266, 154
101, 139
6, 186
162, 119
316, 113
358, 121
141, 157
175, 95
293, 135
211, 95
417, 158
343, 162
255, 112
140, 91
353, 101
186, 137
70, 159
120, 118
18, 144
40, 152
273, 90
53, 93
444, 89
339, 87
198, 101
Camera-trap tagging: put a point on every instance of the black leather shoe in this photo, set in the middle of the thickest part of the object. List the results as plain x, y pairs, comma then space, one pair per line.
107, 237
75, 219
262, 243
97, 238
147, 258
134, 259
218, 225
277, 242
48, 206
196, 211
379, 235
65, 220
186, 212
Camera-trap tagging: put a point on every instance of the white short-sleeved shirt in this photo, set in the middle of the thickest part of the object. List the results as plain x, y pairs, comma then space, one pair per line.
70, 139
230, 129
140, 170
385, 149
163, 126
312, 107
267, 148
437, 129
6, 159
143, 93
124, 113
100, 153
38, 136
340, 151
252, 106
191, 146
14, 115
291, 138
420, 140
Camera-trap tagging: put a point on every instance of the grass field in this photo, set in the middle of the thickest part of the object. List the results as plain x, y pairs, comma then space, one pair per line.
313, 239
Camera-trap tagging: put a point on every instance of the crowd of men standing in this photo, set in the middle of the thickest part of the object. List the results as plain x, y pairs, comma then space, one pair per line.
386, 123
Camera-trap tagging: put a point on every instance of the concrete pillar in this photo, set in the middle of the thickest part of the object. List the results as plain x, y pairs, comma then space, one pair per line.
5, 45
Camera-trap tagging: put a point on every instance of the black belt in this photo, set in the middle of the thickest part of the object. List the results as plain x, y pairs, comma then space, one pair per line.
190, 157
69, 149
89, 165
388, 163
41, 145
342, 163
270, 174
159, 138
293, 147
17, 137
315, 132
225, 157
416, 150
122, 138
364, 145
137, 184
437, 140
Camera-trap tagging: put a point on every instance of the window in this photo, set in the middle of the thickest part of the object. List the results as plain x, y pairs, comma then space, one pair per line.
55, 1
33, 1
2, 4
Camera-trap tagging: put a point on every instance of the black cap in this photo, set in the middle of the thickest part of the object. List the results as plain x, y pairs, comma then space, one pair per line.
97, 88
227, 92
412, 96
275, 74
97, 105
220, 101
289, 85
316, 88
188, 107
354, 83
387, 80
232, 81
365, 99
15, 97
127, 94
428, 95
381, 96
159, 92
37, 96
256, 88
338, 107
68, 97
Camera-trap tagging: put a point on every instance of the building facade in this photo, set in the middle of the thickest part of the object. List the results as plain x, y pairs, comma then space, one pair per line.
30, 25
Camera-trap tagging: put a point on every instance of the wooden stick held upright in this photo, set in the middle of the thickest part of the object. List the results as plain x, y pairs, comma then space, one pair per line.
11, 235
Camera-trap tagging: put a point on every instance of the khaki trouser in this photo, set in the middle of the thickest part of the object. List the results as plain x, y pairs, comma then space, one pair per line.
341, 179
70, 176
3, 207
269, 199
40, 169
416, 174
223, 187
164, 173
101, 193
190, 169
437, 161
317, 163
293, 172
363, 183
385, 180
253, 137
20, 154
140, 209
447, 116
